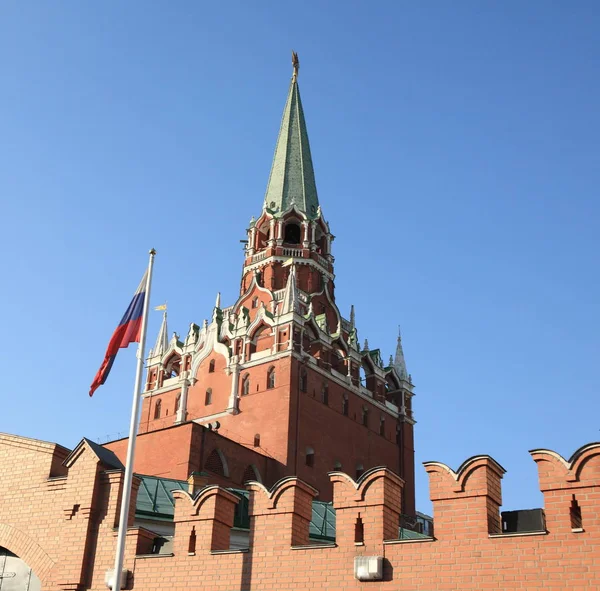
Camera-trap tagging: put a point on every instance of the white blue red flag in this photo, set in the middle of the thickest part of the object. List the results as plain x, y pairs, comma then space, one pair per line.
128, 331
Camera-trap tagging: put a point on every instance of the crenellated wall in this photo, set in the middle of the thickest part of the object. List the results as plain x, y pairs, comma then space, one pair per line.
79, 509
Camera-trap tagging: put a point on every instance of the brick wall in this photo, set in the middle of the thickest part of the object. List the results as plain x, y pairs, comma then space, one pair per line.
62, 525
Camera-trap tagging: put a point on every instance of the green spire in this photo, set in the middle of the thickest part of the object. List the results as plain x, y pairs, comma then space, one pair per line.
292, 178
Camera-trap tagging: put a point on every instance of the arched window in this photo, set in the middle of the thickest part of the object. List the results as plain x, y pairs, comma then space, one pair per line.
310, 457
257, 440
216, 463
157, 408
271, 378
360, 470
246, 385
345, 405
382, 426
292, 234
208, 397
362, 376
211, 366
177, 402
255, 302
303, 380
365, 416
251, 473
325, 393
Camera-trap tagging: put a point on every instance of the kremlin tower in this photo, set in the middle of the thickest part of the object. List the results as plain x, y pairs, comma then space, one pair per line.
276, 384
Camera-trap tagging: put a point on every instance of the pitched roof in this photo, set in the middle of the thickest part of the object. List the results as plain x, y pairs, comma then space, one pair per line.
107, 457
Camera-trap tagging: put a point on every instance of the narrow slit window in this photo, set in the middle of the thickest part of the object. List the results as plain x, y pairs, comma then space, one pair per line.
192, 542
271, 378
303, 380
359, 531
325, 393
310, 457
365, 417
208, 397
157, 409
211, 366
575, 512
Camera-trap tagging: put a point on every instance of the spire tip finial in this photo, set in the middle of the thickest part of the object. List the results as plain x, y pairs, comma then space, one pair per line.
295, 65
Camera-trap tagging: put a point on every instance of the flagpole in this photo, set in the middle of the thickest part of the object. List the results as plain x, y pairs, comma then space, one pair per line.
133, 428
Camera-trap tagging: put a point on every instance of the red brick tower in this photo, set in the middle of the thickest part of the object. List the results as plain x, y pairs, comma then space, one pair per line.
281, 371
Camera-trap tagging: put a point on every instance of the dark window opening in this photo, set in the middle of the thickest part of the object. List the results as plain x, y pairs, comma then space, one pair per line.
310, 457
325, 393
211, 366
257, 440
365, 417
192, 542
271, 379
345, 405
575, 511
359, 531
292, 234
208, 397
303, 380
157, 409
382, 426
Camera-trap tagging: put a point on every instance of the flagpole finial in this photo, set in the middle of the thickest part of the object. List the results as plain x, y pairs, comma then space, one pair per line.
152, 252
295, 65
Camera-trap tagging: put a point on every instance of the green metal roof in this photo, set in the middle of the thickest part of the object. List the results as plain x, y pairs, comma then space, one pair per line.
155, 497
292, 178
155, 501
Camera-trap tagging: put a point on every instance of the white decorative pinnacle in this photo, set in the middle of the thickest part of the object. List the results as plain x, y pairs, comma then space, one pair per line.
162, 340
399, 362
290, 296
366, 345
218, 300
352, 317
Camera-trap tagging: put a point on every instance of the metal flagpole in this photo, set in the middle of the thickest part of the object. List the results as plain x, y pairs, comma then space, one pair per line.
115, 582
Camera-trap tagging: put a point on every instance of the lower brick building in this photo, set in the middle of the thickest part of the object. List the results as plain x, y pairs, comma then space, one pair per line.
59, 512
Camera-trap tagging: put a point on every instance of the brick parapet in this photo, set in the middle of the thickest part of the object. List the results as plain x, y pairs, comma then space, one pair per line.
285, 508
367, 510
467, 557
468, 500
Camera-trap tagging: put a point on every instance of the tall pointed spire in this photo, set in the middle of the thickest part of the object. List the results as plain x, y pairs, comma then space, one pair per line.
292, 178
162, 340
399, 362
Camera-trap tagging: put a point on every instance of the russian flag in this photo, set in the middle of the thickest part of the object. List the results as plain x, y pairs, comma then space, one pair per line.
128, 331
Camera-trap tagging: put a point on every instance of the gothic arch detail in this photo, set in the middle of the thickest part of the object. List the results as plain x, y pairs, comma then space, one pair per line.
217, 463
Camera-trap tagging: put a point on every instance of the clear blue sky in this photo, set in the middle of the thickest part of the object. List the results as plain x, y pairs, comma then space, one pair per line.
456, 149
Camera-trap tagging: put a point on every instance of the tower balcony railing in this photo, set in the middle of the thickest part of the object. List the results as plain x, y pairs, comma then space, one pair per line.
259, 256
291, 252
